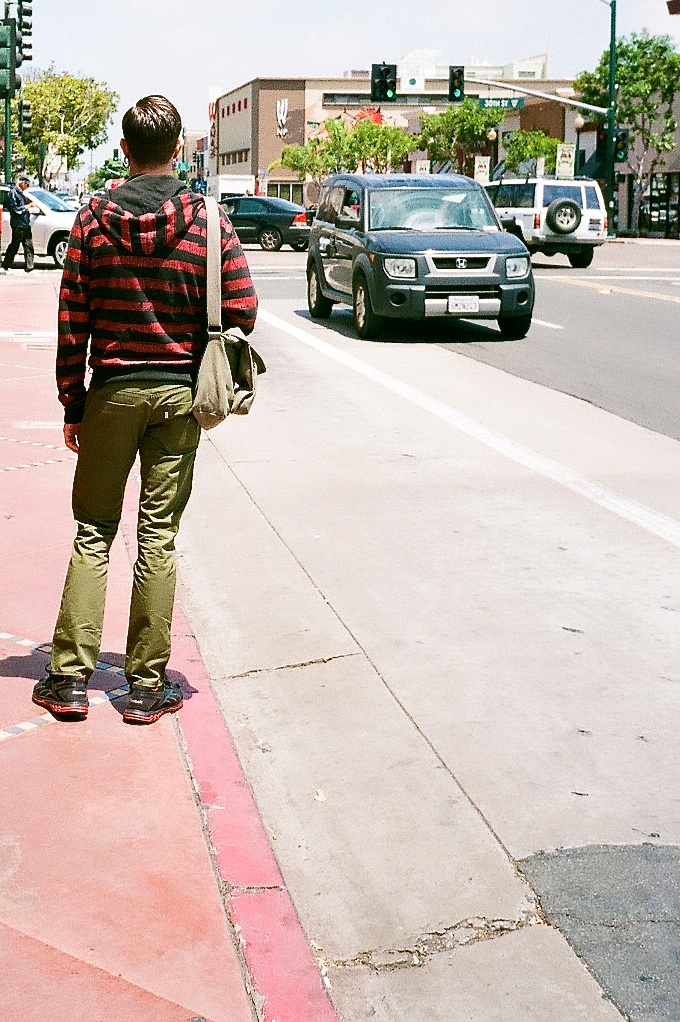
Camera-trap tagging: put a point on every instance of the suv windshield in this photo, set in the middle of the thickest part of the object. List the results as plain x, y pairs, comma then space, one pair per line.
51, 200
430, 209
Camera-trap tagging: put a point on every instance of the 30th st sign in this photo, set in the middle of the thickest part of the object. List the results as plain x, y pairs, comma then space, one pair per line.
502, 104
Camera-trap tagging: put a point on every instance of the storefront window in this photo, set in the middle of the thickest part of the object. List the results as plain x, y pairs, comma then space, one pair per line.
659, 212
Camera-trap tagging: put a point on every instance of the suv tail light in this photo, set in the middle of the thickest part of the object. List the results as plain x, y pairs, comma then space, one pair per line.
606, 223
537, 221
301, 218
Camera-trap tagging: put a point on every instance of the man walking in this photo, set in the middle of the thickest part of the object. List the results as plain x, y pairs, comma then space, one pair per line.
20, 209
134, 285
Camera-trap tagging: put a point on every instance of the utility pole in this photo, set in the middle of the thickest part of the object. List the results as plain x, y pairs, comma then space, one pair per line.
611, 120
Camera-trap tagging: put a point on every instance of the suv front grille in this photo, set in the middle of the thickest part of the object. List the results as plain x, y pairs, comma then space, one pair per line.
453, 262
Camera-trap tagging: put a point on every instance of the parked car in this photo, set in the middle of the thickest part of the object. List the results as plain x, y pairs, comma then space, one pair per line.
51, 225
416, 247
269, 221
69, 200
554, 216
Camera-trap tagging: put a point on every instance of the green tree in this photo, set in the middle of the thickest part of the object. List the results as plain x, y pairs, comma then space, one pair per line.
70, 115
648, 77
308, 161
458, 133
531, 145
111, 168
363, 146
379, 147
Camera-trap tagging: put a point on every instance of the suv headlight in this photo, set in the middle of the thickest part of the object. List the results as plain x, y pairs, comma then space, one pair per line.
517, 266
399, 267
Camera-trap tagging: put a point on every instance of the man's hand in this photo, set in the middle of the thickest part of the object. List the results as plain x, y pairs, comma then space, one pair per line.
71, 434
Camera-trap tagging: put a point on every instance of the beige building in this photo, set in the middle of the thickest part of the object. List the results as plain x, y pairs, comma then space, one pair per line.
251, 124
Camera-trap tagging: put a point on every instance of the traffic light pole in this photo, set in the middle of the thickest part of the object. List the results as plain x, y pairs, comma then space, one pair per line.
8, 140
611, 120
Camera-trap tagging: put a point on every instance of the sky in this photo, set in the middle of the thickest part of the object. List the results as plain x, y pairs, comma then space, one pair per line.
183, 48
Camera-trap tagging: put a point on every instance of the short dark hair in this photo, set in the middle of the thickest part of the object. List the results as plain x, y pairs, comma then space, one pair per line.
151, 128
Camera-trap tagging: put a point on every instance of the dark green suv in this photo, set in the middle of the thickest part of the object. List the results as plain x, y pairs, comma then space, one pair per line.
398, 246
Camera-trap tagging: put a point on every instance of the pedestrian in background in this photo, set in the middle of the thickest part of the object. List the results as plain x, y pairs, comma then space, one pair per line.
134, 287
20, 209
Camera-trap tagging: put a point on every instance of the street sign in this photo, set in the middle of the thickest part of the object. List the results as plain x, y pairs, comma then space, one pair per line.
504, 103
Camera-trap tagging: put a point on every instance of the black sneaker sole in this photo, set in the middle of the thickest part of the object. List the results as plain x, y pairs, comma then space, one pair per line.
59, 710
137, 717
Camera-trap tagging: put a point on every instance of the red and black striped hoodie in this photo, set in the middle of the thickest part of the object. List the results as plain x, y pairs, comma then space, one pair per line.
134, 287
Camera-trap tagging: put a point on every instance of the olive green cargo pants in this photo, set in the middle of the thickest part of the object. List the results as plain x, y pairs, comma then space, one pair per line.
121, 420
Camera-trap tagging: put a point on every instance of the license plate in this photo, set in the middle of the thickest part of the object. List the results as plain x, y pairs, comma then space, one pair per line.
463, 304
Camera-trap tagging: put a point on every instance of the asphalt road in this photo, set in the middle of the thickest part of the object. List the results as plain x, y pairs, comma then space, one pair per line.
607, 335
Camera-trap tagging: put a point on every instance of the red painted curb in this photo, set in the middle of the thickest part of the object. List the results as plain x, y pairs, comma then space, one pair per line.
286, 981
284, 977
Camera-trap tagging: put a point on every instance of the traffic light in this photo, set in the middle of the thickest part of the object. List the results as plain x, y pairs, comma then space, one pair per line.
25, 117
601, 142
622, 143
456, 84
9, 80
24, 31
384, 83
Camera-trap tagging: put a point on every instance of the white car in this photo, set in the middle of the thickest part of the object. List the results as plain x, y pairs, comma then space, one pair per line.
50, 227
553, 215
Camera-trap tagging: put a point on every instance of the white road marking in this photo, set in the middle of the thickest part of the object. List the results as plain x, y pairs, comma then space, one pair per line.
37, 425
645, 517
274, 276
588, 276
638, 269
542, 322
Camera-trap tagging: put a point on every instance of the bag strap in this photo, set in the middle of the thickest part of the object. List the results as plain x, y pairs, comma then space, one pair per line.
214, 266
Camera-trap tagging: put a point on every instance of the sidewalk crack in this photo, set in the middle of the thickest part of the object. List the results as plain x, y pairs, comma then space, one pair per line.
461, 934
286, 667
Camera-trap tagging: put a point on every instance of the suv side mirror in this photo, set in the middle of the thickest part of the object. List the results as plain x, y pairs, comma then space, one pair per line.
347, 222
509, 224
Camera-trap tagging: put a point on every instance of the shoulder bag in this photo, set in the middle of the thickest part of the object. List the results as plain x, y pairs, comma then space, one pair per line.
227, 377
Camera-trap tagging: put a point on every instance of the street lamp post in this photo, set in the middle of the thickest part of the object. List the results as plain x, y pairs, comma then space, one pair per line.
492, 136
579, 124
611, 117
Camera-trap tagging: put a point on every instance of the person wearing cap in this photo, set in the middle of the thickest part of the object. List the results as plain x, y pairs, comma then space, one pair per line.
20, 209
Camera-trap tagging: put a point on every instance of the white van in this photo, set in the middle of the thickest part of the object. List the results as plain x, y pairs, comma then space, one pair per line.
553, 215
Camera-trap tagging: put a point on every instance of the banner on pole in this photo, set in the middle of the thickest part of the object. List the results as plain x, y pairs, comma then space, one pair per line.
565, 161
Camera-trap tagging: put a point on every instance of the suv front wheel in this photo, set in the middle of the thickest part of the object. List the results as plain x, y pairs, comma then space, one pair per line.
366, 323
514, 327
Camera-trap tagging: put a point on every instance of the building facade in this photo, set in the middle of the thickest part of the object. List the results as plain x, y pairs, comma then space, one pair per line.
251, 124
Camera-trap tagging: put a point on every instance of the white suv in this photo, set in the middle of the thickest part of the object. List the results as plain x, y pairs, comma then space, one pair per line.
553, 215
51, 226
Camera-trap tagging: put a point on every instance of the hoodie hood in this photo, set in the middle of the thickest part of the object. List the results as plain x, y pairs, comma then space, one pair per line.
149, 214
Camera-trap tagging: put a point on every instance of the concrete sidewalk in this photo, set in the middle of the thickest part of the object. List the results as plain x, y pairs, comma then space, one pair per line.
136, 878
